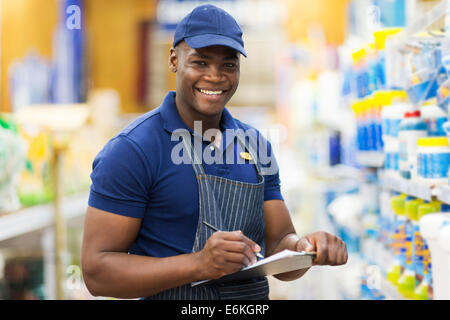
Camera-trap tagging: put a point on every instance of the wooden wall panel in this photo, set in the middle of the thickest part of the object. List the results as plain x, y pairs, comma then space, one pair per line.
113, 35
331, 15
25, 25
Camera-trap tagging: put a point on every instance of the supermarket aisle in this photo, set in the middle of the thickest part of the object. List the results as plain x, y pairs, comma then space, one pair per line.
353, 95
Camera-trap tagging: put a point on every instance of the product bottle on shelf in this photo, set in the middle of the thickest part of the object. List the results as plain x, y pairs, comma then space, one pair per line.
361, 129
386, 230
394, 106
386, 114
424, 290
427, 284
436, 269
364, 118
400, 105
361, 71
368, 119
371, 58
444, 241
435, 117
433, 160
372, 115
411, 129
379, 100
398, 237
417, 246
380, 37
407, 281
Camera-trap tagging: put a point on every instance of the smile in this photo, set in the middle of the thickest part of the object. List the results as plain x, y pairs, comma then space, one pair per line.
211, 92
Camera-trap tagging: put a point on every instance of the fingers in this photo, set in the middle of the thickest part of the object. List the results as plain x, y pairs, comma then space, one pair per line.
344, 254
237, 258
239, 236
304, 245
320, 243
238, 242
240, 248
330, 250
233, 247
341, 252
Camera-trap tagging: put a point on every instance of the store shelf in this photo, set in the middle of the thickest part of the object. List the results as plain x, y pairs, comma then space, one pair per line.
390, 291
443, 194
38, 217
373, 159
410, 187
417, 189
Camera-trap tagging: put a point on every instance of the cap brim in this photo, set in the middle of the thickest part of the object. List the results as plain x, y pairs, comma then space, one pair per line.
207, 40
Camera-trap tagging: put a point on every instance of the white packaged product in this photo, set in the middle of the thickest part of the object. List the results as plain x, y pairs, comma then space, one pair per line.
391, 155
430, 226
444, 241
411, 129
435, 118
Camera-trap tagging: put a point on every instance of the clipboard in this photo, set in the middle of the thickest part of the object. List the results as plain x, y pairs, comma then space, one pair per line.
283, 261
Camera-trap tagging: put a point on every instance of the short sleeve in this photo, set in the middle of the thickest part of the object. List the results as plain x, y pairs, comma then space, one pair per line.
120, 178
270, 170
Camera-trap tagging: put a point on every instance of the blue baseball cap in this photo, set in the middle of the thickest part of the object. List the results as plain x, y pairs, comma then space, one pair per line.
208, 25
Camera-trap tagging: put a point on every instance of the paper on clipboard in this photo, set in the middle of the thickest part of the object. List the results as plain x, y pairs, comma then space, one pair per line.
283, 261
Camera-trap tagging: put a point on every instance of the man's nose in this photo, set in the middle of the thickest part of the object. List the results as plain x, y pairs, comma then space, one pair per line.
214, 73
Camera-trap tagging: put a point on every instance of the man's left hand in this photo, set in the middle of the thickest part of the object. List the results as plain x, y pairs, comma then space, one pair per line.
330, 250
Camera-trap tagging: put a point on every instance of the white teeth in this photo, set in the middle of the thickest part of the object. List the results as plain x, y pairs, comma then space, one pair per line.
210, 92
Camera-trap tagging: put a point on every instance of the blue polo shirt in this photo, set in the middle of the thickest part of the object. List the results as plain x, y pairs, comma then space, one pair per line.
134, 175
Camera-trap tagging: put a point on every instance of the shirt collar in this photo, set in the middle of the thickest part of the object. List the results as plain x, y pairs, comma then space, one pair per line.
172, 120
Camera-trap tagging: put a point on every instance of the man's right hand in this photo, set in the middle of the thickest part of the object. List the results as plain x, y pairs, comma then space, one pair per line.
225, 253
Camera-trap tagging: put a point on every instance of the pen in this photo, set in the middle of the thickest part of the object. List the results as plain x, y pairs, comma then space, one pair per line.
259, 255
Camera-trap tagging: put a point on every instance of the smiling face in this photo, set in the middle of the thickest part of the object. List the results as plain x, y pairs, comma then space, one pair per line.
206, 80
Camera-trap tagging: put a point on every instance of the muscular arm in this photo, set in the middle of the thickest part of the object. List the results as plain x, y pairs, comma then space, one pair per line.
280, 234
109, 270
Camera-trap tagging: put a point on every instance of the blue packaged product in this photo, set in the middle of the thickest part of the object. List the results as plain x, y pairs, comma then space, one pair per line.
361, 70
435, 118
397, 117
416, 264
391, 153
411, 129
394, 107
380, 37
380, 100
433, 159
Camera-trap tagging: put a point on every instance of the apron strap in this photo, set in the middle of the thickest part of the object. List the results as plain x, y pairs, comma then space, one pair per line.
192, 153
252, 149
196, 160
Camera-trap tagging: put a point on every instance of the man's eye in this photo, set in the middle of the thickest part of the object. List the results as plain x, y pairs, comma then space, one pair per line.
200, 63
230, 65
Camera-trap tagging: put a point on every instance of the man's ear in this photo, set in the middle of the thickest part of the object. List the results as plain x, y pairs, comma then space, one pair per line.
173, 60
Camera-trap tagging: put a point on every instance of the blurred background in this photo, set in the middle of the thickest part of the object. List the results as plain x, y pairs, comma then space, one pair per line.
318, 81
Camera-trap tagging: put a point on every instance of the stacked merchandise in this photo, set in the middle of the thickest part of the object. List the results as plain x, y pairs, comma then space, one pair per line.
35, 185
370, 94
408, 124
12, 160
411, 270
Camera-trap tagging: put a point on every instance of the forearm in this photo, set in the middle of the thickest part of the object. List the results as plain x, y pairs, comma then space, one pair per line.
128, 276
289, 242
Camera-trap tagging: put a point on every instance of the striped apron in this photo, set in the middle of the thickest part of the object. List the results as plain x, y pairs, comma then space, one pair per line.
228, 205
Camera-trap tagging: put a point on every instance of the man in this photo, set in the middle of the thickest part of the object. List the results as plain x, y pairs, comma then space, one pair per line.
149, 225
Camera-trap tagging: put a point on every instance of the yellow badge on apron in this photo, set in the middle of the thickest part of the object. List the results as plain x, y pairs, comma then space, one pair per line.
246, 156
